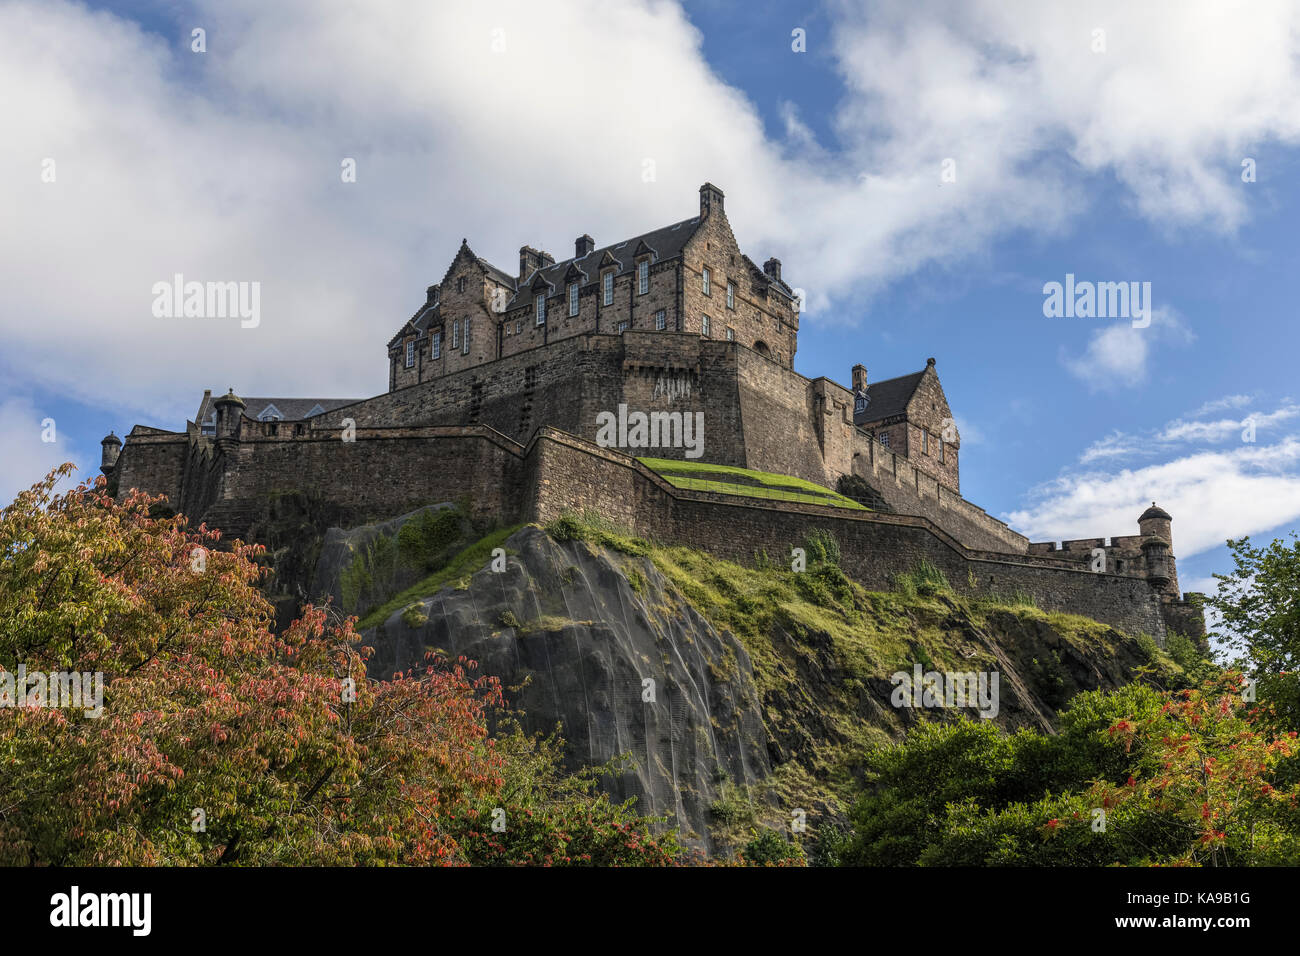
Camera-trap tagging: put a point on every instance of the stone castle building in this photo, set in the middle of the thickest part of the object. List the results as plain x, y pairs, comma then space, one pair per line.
496, 383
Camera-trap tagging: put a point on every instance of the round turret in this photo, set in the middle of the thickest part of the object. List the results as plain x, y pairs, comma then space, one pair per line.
1156, 522
111, 446
1155, 551
229, 408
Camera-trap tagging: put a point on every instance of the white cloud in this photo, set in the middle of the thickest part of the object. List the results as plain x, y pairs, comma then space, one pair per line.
1224, 428
1118, 354
27, 457
225, 165
1212, 495
1222, 404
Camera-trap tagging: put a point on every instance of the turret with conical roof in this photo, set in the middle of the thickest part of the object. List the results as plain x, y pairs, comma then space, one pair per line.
111, 447
230, 409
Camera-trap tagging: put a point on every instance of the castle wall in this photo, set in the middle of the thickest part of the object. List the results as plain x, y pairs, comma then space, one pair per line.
874, 547
153, 461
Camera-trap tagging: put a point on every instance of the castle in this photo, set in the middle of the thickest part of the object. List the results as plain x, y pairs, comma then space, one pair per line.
497, 383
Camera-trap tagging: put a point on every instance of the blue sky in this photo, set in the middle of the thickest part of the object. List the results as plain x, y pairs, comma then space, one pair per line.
1116, 164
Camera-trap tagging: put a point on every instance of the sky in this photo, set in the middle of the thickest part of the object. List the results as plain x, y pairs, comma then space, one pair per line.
923, 169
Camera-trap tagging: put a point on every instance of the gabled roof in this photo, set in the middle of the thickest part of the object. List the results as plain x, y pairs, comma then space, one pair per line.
666, 242
293, 409
888, 398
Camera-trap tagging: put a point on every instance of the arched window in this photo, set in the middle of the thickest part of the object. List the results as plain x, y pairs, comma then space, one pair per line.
761, 348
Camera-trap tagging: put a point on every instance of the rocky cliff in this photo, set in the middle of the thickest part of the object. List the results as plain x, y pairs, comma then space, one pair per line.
737, 694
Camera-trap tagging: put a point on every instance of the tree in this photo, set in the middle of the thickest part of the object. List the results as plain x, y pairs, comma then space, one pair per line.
219, 741
1259, 605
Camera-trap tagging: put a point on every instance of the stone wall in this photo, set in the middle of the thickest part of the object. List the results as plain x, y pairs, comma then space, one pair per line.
569, 474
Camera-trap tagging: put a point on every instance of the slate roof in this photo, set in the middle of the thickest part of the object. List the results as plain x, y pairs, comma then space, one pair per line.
293, 409
666, 243
1155, 512
888, 398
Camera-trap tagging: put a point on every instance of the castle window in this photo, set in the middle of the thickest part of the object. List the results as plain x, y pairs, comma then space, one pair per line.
410, 353
941, 451
661, 320
925, 442
437, 344
539, 304
731, 334
464, 340
731, 296
679, 321
519, 326
884, 439
210, 426
455, 334
704, 280
643, 276
622, 327
607, 287
704, 326
573, 298
460, 284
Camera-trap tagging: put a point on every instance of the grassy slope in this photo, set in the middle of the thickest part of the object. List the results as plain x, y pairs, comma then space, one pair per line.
840, 636
691, 475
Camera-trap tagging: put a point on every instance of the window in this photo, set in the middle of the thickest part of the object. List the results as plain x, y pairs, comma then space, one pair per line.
607, 285
925, 442
884, 440
437, 344
464, 340
942, 457
643, 276
460, 284
539, 304
661, 320
410, 353
210, 426
573, 298
622, 327
731, 296
704, 326
519, 326
704, 280
455, 334
731, 334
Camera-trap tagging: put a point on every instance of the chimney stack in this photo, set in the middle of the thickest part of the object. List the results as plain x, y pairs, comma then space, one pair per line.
859, 378
530, 259
773, 267
710, 198
583, 245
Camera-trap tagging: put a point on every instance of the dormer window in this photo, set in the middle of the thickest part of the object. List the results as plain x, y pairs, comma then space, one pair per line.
210, 426
731, 296
643, 276
704, 280
464, 339
455, 334
607, 288
410, 353
573, 298
539, 305
437, 344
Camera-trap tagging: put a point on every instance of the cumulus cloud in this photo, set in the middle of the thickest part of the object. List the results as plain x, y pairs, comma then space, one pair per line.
517, 123
1119, 353
1213, 496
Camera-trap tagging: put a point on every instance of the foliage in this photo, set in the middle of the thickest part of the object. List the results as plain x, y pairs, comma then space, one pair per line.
1259, 606
770, 848
1136, 776
221, 742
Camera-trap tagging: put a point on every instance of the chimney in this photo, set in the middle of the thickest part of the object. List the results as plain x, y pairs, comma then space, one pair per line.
583, 245
773, 267
432, 293
530, 259
859, 378
710, 198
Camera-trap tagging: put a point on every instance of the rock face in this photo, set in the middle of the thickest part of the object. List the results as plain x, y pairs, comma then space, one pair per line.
619, 660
